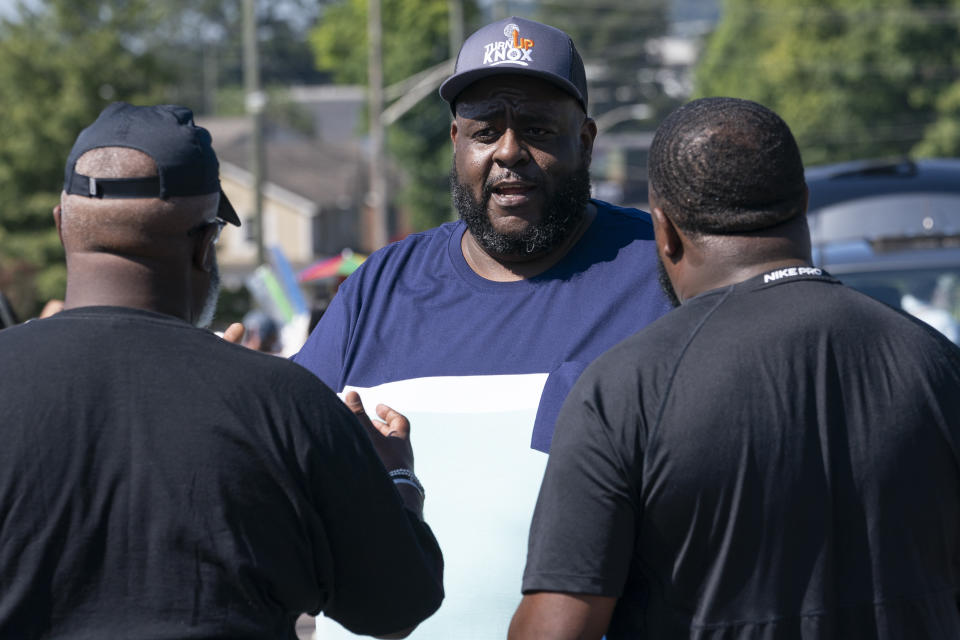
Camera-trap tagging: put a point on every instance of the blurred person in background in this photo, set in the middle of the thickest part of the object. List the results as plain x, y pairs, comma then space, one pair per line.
53, 306
261, 332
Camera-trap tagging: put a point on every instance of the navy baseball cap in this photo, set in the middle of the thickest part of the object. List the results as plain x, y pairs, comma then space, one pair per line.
520, 47
186, 162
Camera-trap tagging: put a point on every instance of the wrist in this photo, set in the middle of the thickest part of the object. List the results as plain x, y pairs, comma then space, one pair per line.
406, 477
410, 490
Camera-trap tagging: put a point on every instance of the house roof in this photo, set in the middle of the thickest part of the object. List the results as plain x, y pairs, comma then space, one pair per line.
325, 173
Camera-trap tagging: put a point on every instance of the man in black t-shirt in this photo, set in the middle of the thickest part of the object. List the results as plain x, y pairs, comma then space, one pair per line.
159, 482
779, 457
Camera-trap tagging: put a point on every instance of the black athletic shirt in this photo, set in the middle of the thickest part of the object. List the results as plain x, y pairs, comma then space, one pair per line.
157, 482
775, 459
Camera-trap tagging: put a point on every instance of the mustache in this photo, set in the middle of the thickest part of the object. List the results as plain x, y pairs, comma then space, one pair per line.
492, 182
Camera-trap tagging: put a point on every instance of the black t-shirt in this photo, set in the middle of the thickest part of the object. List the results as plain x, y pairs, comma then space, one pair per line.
158, 482
774, 459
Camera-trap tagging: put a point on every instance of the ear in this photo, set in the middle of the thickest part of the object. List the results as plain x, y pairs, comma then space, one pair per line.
668, 238
57, 221
588, 133
204, 251
806, 198
453, 131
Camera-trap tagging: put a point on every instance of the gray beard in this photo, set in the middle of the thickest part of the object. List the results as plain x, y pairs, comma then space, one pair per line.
564, 210
210, 303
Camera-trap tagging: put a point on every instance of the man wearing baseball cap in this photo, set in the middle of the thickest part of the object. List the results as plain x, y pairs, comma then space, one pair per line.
159, 482
477, 329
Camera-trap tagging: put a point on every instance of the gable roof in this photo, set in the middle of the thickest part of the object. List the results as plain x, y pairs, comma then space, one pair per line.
327, 174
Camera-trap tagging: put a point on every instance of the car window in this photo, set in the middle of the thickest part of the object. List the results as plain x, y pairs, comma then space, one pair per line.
932, 295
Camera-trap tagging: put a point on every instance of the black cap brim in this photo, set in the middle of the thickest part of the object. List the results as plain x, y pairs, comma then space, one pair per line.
226, 211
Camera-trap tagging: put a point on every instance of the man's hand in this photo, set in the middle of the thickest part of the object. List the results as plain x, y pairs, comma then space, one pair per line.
391, 439
390, 434
52, 307
234, 333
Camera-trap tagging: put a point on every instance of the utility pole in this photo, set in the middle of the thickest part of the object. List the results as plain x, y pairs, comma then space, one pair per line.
456, 26
406, 94
377, 197
255, 101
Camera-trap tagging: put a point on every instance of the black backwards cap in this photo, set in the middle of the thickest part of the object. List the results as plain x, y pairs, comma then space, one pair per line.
518, 46
186, 162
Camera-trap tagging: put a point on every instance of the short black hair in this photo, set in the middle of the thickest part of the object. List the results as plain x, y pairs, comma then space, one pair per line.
726, 165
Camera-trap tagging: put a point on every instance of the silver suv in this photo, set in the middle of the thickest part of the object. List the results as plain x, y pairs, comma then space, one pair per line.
892, 230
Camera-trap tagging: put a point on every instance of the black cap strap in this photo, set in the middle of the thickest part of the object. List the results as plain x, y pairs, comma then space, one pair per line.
81, 185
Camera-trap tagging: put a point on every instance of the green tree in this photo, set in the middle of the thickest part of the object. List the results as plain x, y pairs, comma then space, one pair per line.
852, 78
942, 138
202, 41
415, 37
61, 62
613, 38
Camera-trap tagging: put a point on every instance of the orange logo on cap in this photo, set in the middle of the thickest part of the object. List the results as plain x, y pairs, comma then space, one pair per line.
521, 43
512, 50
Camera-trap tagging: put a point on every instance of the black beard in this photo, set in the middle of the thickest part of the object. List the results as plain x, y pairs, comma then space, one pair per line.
563, 212
666, 285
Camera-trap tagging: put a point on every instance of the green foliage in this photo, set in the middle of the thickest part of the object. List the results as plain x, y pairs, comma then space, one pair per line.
852, 78
942, 138
202, 41
421, 144
339, 41
415, 37
612, 37
61, 62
